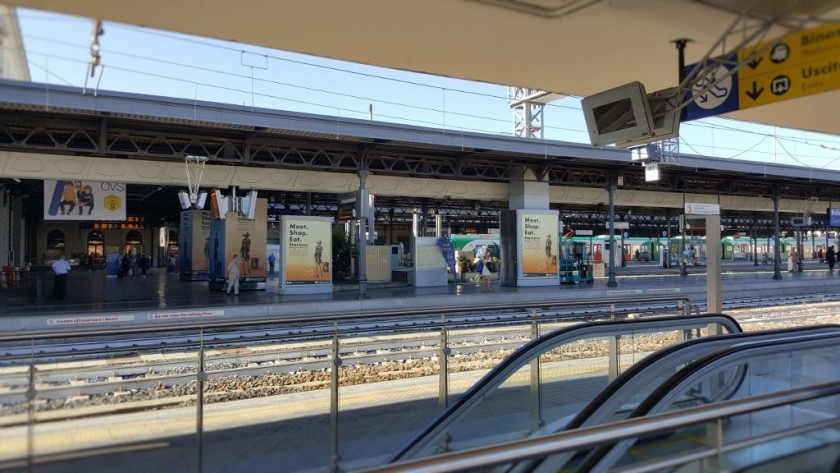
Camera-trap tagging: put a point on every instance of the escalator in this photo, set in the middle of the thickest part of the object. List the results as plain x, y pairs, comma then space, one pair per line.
543, 385
618, 400
743, 371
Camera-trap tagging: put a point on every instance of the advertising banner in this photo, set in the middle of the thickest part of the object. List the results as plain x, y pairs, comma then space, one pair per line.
307, 250
539, 244
248, 239
218, 261
84, 200
448, 254
194, 232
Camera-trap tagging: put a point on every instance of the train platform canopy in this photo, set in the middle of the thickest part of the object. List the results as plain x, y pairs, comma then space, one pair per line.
575, 47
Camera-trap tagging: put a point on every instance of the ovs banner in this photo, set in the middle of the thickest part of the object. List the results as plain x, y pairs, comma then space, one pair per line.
308, 250
84, 200
539, 244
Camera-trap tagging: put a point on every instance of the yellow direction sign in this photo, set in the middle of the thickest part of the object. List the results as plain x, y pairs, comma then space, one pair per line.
802, 63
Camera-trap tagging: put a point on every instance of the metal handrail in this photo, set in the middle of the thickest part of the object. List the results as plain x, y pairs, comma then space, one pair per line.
332, 317
538, 347
508, 452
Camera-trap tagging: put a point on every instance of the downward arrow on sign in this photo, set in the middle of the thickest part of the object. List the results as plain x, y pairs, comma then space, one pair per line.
754, 93
754, 62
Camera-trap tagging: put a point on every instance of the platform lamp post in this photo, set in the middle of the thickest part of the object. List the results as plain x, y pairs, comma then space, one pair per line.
611, 273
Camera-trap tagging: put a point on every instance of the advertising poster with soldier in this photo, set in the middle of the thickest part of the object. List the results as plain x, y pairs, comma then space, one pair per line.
247, 239
308, 251
194, 242
538, 235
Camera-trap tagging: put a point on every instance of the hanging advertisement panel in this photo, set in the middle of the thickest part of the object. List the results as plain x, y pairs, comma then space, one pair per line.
248, 239
84, 200
185, 231
308, 251
539, 244
194, 245
201, 240
217, 249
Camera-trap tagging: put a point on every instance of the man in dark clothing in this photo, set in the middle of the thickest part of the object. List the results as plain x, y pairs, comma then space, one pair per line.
60, 267
831, 257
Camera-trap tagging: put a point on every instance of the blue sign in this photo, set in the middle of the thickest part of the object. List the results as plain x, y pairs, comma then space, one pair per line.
834, 217
112, 263
448, 253
720, 98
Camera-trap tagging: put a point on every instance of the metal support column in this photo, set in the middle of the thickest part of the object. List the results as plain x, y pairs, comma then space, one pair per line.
334, 385
714, 292
536, 422
755, 241
443, 375
611, 280
364, 211
201, 377
682, 258
777, 258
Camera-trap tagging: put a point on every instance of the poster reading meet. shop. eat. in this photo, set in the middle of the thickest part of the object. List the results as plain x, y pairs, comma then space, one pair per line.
308, 251
539, 244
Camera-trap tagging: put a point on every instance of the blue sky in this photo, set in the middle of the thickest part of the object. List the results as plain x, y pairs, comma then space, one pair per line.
161, 63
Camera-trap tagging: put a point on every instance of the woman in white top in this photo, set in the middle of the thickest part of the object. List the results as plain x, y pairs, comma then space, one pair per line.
486, 275
793, 260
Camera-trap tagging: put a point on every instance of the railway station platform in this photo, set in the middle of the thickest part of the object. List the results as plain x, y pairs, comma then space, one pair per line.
95, 301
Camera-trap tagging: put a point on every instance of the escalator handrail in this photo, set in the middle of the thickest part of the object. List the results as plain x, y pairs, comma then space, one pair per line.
642, 373
516, 451
534, 348
605, 455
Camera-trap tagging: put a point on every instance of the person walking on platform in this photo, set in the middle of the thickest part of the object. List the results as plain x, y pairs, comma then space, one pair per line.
233, 276
793, 260
60, 267
271, 260
831, 258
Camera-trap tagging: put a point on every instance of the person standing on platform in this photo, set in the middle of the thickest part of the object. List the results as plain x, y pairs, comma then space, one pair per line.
793, 260
60, 267
233, 276
271, 260
831, 258
486, 274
